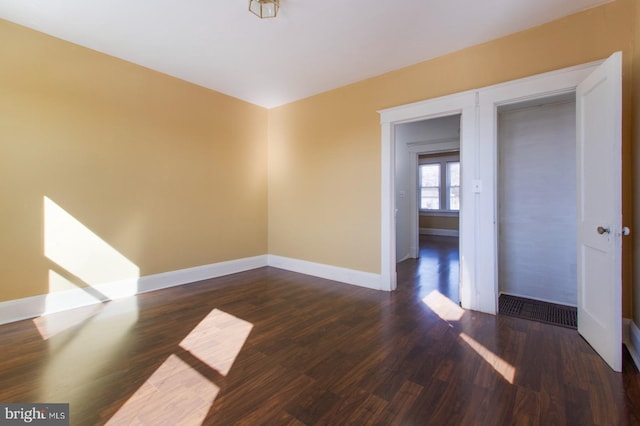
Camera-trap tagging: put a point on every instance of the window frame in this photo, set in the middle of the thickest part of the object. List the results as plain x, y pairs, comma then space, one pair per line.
445, 183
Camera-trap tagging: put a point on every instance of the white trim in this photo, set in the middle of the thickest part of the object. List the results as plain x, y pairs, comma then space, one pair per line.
21, 309
443, 106
414, 218
335, 273
631, 339
535, 87
539, 299
463, 104
31, 307
478, 241
441, 147
440, 232
199, 273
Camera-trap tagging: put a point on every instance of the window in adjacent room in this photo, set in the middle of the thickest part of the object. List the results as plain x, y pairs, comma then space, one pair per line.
439, 178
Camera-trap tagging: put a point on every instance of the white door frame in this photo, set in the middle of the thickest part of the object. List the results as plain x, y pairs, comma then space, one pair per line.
460, 103
478, 159
536, 87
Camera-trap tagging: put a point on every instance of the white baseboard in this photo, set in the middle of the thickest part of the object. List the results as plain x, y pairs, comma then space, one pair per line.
631, 339
20, 309
441, 232
31, 307
335, 273
199, 273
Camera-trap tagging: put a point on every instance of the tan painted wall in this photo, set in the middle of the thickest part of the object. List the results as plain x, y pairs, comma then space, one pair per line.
439, 222
170, 174
173, 175
324, 151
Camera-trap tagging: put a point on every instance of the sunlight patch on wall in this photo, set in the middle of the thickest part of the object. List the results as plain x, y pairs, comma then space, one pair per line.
217, 340
443, 306
80, 252
174, 394
63, 295
506, 370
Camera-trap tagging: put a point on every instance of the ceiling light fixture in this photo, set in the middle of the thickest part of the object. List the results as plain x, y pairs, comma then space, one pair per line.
264, 8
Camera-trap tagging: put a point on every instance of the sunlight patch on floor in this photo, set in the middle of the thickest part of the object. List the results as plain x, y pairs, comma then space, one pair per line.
217, 340
506, 370
443, 306
82, 344
175, 394
50, 325
178, 394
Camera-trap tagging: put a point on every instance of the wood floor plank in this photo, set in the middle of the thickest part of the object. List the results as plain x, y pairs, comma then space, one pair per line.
274, 347
401, 403
526, 409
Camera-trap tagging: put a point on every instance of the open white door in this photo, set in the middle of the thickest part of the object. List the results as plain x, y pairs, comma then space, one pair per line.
599, 117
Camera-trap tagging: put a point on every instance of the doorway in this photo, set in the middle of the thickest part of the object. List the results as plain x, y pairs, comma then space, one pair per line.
427, 188
537, 240
599, 229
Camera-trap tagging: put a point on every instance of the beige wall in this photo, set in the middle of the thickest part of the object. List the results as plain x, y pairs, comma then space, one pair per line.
170, 174
173, 175
324, 151
439, 222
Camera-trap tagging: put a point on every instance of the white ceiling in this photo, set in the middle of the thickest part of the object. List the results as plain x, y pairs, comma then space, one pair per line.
311, 47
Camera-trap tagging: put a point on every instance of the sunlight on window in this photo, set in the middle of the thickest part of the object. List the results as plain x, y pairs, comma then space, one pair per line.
217, 340
80, 252
174, 394
453, 174
430, 186
501, 367
443, 306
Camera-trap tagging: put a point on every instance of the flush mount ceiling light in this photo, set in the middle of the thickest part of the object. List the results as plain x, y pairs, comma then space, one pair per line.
264, 8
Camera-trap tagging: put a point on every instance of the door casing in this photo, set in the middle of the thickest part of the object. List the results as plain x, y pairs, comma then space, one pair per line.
478, 158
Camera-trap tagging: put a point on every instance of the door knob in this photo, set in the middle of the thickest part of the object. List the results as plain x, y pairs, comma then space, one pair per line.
626, 230
602, 230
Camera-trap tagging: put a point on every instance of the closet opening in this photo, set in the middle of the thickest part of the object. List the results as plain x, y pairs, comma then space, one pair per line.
536, 215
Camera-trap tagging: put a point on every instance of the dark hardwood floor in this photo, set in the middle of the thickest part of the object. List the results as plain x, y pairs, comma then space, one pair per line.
279, 348
437, 267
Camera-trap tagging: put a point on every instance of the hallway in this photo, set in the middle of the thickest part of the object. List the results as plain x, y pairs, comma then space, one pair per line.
437, 268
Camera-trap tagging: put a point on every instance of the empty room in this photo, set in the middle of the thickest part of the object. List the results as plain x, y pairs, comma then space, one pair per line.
300, 213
